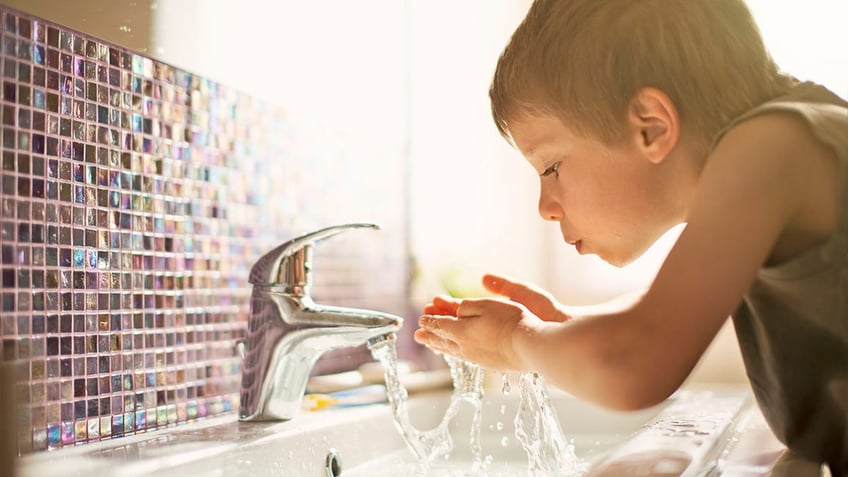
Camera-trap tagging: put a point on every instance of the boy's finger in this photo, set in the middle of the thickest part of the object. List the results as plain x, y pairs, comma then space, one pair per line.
432, 309
435, 341
538, 301
436, 323
441, 306
512, 289
471, 307
447, 304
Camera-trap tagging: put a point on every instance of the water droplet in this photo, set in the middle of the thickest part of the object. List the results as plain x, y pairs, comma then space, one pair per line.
505, 388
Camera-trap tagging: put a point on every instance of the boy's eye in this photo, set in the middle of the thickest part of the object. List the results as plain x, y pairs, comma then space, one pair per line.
552, 169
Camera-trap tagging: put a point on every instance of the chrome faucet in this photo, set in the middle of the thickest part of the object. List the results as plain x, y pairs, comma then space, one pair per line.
287, 332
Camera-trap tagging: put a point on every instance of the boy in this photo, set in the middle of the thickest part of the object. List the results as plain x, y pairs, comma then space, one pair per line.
642, 114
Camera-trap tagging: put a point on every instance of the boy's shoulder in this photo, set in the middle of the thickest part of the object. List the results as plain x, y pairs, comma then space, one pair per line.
796, 147
808, 109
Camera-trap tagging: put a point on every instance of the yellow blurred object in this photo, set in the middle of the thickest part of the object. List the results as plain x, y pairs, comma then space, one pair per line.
361, 396
460, 283
316, 402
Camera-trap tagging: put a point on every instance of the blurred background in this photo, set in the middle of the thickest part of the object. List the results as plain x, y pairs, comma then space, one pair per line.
471, 198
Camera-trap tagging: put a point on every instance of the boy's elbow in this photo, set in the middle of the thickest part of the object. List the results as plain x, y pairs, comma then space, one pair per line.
631, 375
622, 394
625, 387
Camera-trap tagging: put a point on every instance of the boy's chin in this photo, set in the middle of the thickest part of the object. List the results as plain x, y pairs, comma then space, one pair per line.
622, 258
617, 262
625, 254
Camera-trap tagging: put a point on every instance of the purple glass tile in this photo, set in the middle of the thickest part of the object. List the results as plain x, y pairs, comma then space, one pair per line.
135, 197
67, 429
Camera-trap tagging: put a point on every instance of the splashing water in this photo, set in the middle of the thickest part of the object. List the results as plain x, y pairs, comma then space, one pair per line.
435, 443
468, 386
537, 429
536, 424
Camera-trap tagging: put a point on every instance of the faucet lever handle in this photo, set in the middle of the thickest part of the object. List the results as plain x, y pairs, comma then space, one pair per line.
289, 263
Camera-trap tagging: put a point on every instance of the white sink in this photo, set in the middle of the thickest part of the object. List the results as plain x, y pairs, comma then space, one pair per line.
692, 427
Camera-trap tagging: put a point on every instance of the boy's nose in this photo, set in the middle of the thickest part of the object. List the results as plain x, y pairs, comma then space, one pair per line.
549, 209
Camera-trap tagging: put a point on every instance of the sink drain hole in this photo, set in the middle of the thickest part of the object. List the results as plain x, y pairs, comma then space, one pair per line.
333, 463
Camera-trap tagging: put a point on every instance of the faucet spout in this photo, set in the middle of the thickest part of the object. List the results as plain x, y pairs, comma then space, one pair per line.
286, 336
287, 333
353, 320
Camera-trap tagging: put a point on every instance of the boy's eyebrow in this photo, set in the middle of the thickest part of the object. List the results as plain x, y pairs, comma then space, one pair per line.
539, 142
533, 149
537, 151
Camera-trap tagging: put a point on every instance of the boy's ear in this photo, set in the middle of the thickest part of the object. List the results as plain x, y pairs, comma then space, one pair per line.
654, 123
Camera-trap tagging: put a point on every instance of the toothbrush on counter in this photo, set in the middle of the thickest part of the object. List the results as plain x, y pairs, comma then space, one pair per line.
373, 373
361, 396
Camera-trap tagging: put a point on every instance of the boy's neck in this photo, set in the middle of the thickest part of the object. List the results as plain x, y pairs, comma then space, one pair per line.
689, 158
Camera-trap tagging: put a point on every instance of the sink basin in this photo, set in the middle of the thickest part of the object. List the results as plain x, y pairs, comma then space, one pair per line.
687, 432
691, 430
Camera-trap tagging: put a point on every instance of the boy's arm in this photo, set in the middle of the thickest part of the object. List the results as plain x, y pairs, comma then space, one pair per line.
767, 180
613, 305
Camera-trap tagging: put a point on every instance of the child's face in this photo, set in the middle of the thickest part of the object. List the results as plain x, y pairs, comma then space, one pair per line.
609, 200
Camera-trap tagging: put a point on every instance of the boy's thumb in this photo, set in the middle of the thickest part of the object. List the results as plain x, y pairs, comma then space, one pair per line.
494, 283
536, 300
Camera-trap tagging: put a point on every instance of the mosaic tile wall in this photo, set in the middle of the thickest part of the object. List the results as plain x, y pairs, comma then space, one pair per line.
135, 198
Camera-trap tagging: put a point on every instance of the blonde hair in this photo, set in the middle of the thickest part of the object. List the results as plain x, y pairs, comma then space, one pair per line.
584, 60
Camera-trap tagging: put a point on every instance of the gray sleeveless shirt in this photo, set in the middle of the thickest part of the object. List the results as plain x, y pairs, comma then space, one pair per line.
792, 325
